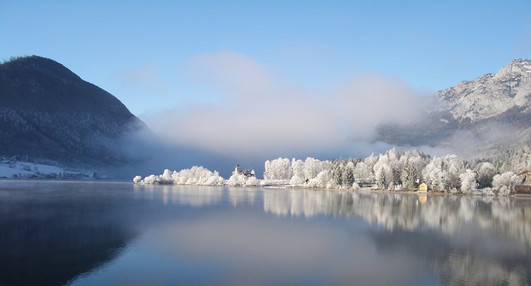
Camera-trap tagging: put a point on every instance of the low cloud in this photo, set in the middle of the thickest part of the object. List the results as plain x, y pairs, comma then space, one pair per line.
261, 115
486, 140
367, 101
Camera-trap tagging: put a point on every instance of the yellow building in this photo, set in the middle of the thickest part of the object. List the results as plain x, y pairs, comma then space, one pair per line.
423, 187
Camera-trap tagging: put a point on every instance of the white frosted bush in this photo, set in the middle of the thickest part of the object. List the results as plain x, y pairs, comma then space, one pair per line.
137, 179
240, 180
236, 180
151, 179
468, 181
505, 183
296, 181
252, 181
194, 176
322, 180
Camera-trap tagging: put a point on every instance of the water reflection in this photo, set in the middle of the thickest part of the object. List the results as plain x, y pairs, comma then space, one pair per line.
448, 214
120, 234
51, 233
467, 240
238, 196
250, 248
195, 196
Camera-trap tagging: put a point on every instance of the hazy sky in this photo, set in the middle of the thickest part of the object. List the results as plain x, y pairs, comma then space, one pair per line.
302, 75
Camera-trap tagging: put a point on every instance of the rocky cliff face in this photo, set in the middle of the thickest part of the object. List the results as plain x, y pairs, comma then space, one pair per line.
491, 95
487, 113
48, 113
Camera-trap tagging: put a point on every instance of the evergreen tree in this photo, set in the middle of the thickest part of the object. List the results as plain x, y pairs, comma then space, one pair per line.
381, 180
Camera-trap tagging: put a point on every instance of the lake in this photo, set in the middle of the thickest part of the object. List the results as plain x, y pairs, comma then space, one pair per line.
103, 233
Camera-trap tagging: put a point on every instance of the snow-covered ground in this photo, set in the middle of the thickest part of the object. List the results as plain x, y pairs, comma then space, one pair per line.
10, 169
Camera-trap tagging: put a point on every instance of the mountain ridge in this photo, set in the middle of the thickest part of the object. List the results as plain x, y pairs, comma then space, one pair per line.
491, 95
47, 112
474, 110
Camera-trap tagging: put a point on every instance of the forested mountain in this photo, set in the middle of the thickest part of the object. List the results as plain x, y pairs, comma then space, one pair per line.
48, 113
492, 101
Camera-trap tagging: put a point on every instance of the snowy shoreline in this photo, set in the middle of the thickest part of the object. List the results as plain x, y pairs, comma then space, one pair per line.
393, 171
16, 170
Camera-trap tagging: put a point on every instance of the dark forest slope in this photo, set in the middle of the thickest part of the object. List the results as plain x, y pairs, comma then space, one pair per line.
49, 113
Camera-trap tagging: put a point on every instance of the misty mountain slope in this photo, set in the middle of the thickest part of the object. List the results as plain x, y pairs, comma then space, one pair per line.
492, 111
49, 113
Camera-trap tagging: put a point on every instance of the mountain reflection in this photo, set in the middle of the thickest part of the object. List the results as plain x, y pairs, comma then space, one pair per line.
49, 237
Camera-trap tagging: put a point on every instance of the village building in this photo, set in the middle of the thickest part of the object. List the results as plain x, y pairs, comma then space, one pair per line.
244, 172
423, 187
525, 185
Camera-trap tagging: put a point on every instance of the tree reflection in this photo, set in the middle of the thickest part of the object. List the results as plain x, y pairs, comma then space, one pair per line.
468, 240
195, 196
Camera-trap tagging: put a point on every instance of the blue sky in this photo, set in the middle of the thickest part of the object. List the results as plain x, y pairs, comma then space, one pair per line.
429, 44
169, 61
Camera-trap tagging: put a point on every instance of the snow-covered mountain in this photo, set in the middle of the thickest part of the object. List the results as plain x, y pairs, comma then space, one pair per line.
491, 95
482, 115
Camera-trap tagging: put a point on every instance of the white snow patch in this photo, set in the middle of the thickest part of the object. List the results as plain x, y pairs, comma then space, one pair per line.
12, 169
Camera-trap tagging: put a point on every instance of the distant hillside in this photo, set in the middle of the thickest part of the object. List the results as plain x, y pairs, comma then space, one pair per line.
491, 105
49, 113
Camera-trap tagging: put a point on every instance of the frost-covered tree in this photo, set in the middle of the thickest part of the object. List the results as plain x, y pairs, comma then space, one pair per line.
298, 177
392, 170
409, 177
278, 169
347, 176
383, 172
435, 175
363, 172
240, 180
442, 173
381, 175
411, 165
396, 169
455, 167
485, 173
504, 183
515, 160
337, 178
468, 181
370, 161
312, 167
196, 175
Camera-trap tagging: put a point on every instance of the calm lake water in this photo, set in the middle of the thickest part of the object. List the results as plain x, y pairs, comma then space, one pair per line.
94, 233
